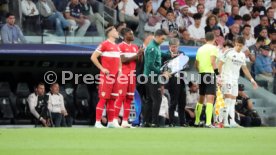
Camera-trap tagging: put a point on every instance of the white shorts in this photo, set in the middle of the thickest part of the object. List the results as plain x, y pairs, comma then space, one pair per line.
232, 89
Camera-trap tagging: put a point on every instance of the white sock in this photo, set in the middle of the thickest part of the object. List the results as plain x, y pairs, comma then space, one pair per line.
232, 112
226, 109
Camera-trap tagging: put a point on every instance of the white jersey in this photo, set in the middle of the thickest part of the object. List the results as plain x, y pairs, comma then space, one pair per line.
233, 61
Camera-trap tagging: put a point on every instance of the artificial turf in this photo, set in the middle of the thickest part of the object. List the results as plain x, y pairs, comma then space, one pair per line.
139, 141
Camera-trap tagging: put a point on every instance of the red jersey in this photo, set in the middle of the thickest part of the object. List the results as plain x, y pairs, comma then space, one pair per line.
128, 50
110, 56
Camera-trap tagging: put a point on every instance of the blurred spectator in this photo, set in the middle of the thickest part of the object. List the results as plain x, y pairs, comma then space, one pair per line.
192, 7
184, 20
126, 13
111, 3
176, 9
273, 5
264, 33
263, 67
272, 34
211, 22
164, 8
272, 52
196, 30
31, 25
119, 28
60, 4
191, 99
260, 4
255, 17
246, 115
246, 20
271, 19
201, 9
234, 32
186, 39
38, 105
255, 49
246, 33
263, 24
48, 11
219, 40
11, 33
75, 17
147, 21
229, 4
56, 105
234, 12
223, 17
219, 6
94, 18
238, 20
247, 8
169, 25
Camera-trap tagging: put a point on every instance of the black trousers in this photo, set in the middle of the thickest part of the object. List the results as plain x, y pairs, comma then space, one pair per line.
57, 119
152, 103
177, 92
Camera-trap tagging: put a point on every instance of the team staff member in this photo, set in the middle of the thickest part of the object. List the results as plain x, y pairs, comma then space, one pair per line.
129, 55
110, 67
152, 65
177, 90
206, 65
37, 104
56, 105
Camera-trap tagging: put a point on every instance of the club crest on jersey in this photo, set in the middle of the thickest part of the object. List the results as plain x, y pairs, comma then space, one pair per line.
120, 91
152, 49
103, 94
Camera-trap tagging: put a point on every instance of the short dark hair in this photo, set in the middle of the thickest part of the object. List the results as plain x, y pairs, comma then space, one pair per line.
246, 25
209, 36
9, 14
240, 40
124, 31
159, 32
39, 84
260, 39
169, 11
190, 84
197, 16
198, 5
246, 17
237, 17
256, 9
270, 8
228, 43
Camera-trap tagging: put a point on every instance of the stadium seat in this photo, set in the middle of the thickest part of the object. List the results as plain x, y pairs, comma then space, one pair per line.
22, 112
82, 102
67, 92
6, 112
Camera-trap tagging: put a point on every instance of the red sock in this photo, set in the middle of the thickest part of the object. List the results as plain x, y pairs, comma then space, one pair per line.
110, 110
127, 104
118, 105
99, 109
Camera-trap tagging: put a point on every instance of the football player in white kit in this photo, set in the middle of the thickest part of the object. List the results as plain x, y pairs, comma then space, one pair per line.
229, 69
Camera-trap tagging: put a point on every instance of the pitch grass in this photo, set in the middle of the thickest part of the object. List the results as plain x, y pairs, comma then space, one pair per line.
139, 141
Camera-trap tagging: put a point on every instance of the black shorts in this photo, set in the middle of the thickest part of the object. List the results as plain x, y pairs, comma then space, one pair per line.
207, 84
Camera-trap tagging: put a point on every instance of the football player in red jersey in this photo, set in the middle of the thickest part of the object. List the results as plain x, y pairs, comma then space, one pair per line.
110, 68
129, 55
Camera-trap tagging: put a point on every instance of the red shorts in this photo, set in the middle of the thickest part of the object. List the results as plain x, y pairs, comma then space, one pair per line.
108, 86
126, 84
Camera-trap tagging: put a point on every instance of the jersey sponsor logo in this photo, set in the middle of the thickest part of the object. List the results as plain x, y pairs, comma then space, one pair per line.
103, 94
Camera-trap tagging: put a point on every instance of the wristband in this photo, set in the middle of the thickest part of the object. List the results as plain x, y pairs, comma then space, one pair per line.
216, 71
252, 80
